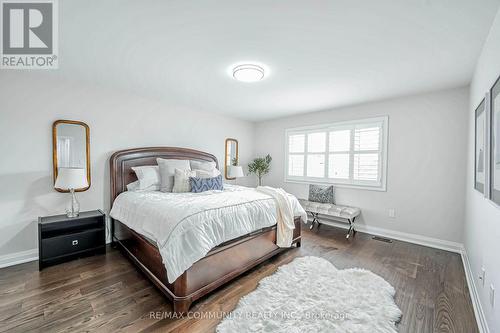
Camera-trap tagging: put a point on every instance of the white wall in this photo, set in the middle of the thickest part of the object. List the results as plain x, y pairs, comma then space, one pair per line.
31, 101
426, 162
482, 223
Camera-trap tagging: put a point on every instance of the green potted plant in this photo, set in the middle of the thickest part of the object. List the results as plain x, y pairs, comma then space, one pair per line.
260, 166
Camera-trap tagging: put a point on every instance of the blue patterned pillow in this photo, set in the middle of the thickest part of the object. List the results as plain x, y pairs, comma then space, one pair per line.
206, 184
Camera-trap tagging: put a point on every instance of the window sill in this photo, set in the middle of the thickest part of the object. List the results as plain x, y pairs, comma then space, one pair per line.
339, 185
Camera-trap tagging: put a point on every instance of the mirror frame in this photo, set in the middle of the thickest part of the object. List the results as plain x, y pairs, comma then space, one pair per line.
225, 156
54, 151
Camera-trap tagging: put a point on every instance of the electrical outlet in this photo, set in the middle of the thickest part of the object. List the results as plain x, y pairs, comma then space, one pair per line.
482, 276
492, 296
392, 213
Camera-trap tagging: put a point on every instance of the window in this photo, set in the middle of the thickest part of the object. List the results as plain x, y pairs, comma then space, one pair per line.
64, 147
351, 154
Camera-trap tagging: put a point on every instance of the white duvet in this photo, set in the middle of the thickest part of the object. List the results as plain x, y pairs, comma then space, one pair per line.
186, 226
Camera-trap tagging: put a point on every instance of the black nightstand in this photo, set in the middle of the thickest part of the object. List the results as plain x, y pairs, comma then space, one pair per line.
61, 238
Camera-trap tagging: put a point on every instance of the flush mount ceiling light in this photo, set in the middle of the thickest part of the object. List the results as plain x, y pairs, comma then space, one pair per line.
248, 73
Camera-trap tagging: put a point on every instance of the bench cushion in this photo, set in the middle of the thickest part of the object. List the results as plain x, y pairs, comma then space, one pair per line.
345, 212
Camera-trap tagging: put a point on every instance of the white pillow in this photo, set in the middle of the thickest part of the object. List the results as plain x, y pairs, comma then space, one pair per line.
134, 187
167, 172
147, 176
207, 174
201, 165
181, 182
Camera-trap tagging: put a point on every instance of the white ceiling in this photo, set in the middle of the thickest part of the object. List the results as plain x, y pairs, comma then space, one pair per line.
321, 54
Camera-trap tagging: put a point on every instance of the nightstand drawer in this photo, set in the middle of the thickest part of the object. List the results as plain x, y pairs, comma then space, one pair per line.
72, 243
70, 227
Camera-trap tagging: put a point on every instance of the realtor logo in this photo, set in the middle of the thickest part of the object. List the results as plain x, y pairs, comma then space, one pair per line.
29, 34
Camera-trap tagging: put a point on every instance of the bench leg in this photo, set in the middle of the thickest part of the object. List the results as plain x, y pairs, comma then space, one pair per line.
351, 228
315, 220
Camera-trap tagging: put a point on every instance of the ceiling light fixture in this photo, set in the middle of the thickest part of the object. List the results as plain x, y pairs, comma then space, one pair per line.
248, 73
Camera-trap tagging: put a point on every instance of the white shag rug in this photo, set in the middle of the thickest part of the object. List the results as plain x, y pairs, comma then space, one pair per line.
311, 295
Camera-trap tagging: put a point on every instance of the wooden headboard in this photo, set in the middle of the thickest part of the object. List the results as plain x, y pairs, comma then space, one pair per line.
122, 161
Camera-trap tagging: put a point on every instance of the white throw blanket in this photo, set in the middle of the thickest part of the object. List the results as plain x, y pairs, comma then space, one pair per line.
284, 215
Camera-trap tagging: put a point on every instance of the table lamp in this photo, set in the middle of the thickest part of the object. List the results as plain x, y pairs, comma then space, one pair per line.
235, 171
71, 179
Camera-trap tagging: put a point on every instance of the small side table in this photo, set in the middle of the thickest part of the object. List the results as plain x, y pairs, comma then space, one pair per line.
61, 238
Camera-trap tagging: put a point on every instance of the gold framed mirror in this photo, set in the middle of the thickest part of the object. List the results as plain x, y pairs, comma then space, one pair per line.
71, 150
231, 157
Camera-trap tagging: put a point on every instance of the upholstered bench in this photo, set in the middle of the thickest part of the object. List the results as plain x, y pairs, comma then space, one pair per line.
343, 213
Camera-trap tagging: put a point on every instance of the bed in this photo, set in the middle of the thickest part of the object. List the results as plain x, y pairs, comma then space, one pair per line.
220, 265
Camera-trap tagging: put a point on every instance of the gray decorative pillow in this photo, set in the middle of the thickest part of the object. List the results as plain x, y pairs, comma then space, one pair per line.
167, 171
202, 165
181, 181
322, 194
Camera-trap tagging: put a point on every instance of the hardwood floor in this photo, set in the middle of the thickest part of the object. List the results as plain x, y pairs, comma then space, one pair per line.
106, 293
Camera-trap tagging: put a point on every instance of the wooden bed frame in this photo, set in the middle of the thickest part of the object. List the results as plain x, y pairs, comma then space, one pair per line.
220, 265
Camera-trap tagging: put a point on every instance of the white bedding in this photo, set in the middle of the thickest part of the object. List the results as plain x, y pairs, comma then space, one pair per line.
186, 226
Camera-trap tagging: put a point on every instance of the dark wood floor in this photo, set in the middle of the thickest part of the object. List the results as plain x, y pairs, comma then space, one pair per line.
106, 293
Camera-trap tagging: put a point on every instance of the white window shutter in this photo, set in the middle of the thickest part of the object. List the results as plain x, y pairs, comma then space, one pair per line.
366, 167
296, 165
367, 138
296, 143
340, 140
366, 152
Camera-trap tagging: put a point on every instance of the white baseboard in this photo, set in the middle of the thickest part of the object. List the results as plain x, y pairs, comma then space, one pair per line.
18, 258
476, 303
22, 257
403, 236
414, 238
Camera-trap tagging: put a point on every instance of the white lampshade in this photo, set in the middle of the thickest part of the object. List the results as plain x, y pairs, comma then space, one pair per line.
235, 171
71, 178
